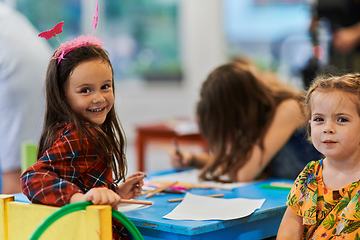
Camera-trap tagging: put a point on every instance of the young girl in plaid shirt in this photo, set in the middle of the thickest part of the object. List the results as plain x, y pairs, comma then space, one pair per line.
82, 144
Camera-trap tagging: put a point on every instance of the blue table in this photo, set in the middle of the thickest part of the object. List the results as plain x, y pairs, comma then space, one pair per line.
263, 223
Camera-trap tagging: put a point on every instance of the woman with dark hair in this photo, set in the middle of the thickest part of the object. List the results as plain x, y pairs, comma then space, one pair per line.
253, 124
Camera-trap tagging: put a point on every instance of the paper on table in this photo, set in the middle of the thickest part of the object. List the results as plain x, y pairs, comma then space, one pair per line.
186, 127
191, 176
183, 126
195, 207
125, 207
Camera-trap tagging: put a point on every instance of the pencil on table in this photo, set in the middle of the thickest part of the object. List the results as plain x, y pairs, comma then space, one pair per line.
136, 201
180, 199
146, 192
159, 189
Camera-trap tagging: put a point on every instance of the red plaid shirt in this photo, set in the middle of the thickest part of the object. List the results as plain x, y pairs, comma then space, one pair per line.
63, 170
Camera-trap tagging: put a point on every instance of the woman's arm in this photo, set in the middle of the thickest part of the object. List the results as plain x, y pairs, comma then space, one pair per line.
291, 226
288, 117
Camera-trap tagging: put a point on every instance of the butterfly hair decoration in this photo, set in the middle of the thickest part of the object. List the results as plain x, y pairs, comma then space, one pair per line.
68, 46
57, 29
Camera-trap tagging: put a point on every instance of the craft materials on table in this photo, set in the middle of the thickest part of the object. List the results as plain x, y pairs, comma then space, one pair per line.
180, 199
125, 207
183, 126
159, 189
131, 201
149, 187
278, 185
131, 204
195, 207
189, 179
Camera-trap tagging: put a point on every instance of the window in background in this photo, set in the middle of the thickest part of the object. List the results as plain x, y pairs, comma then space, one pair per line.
272, 33
45, 14
278, 1
142, 37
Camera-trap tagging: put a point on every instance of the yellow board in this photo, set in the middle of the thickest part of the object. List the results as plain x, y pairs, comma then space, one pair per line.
18, 221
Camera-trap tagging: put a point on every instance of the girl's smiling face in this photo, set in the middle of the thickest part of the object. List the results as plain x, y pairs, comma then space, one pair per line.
89, 90
335, 125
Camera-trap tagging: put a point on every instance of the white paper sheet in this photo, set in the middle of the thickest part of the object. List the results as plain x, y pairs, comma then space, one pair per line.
195, 207
183, 126
191, 176
125, 207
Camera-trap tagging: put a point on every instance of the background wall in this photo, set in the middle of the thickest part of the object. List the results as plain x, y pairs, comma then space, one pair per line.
207, 33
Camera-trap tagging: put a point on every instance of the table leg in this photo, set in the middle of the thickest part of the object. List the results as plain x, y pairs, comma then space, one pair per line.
140, 150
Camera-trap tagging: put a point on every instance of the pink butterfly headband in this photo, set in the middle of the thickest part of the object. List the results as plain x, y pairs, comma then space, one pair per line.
68, 46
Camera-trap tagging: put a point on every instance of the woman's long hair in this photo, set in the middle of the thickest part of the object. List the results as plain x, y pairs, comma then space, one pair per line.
234, 113
109, 140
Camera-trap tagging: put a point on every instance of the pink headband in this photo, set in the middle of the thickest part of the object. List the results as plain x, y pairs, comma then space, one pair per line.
68, 46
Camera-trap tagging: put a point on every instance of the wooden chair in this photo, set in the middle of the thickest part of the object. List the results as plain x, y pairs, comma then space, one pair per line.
28, 155
20, 220
23, 220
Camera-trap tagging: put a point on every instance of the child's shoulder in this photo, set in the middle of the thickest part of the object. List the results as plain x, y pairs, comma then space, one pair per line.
71, 127
313, 166
67, 129
311, 170
70, 134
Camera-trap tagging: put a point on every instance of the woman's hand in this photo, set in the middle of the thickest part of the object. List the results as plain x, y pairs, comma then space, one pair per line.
180, 159
98, 196
131, 187
345, 40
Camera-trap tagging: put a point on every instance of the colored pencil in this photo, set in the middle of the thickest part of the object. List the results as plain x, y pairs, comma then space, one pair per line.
180, 199
159, 189
278, 185
164, 191
136, 201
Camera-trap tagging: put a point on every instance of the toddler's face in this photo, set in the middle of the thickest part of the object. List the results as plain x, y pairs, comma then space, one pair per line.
335, 125
89, 90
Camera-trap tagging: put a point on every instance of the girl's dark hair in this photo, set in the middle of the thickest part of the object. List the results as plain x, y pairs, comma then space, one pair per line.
234, 113
109, 140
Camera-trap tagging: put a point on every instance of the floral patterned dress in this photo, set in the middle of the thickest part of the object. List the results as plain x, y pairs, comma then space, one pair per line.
327, 214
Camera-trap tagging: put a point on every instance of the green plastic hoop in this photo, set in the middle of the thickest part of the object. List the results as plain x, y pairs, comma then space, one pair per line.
82, 206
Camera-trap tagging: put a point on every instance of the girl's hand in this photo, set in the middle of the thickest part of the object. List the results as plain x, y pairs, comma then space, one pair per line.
131, 187
98, 196
181, 159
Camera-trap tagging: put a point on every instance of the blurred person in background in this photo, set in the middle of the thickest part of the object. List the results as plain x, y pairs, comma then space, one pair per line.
254, 125
343, 18
23, 61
